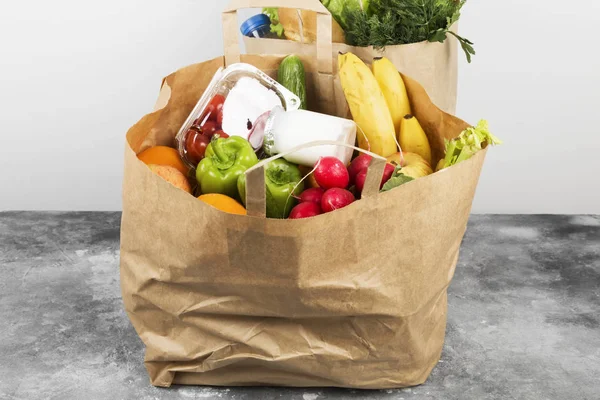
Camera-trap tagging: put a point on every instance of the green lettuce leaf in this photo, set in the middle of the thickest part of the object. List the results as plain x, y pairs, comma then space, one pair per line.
468, 143
273, 14
339, 9
397, 179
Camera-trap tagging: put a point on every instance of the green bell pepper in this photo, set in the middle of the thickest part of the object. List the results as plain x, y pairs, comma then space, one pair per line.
282, 180
225, 161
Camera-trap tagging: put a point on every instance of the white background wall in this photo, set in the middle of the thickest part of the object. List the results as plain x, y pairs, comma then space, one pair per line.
75, 75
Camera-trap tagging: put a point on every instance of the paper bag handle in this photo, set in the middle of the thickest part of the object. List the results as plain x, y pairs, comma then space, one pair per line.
256, 197
324, 28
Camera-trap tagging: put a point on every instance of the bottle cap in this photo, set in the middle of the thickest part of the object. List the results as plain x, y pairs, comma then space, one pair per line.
254, 23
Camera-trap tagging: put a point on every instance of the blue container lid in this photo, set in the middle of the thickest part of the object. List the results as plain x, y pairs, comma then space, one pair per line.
255, 23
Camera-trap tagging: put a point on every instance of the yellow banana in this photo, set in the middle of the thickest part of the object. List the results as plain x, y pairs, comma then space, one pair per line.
368, 106
440, 165
412, 164
413, 138
393, 88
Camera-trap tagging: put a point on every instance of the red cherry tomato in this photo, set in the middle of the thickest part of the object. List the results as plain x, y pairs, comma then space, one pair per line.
209, 128
196, 124
195, 145
221, 134
215, 108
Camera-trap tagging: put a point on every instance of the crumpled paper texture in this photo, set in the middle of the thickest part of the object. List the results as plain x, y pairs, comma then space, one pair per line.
355, 298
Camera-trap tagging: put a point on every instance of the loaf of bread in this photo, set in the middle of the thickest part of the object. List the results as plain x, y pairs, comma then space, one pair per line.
301, 26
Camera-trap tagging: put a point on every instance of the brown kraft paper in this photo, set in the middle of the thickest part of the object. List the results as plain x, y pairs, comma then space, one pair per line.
433, 65
356, 298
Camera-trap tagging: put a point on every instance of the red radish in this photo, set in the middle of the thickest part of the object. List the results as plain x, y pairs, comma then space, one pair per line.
336, 198
305, 210
359, 182
312, 195
387, 173
358, 164
331, 173
362, 176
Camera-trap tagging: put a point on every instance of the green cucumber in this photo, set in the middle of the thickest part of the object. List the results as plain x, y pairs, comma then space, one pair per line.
292, 76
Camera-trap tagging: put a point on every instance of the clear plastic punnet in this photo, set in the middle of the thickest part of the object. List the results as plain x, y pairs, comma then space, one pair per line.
235, 98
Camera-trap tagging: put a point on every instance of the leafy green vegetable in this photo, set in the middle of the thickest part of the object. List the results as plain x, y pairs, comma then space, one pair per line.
273, 14
441, 34
397, 179
469, 142
392, 22
339, 8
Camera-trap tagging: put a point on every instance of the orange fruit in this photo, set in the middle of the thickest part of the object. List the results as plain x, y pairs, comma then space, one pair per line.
163, 155
223, 203
172, 175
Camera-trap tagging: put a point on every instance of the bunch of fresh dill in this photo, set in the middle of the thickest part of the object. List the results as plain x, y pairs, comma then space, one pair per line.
391, 22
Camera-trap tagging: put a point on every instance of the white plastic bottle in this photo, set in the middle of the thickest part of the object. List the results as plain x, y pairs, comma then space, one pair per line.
286, 130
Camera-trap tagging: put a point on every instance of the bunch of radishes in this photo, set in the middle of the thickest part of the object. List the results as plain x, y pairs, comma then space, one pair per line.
334, 181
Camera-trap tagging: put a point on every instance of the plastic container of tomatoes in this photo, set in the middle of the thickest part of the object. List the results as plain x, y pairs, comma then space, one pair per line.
231, 104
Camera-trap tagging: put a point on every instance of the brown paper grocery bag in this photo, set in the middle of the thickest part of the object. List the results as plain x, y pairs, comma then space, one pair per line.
433, 65
301, 26
322, 67
355, 298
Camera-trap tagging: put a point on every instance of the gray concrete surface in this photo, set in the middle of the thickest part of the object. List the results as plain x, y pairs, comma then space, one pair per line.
524, 315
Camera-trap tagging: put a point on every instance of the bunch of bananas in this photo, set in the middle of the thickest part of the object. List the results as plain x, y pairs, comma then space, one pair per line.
381, 108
